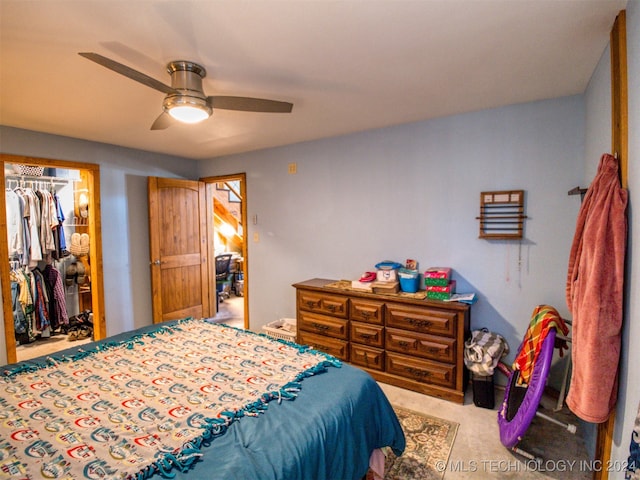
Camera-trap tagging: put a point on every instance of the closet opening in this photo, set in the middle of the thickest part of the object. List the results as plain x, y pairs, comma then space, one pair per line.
52, 273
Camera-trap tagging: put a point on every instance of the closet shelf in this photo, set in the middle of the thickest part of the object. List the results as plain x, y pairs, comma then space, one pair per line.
34, 178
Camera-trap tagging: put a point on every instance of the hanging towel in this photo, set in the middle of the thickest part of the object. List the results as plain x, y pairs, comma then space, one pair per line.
543, 319
594, 294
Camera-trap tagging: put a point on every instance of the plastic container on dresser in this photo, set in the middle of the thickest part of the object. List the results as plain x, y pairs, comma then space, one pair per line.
411, 343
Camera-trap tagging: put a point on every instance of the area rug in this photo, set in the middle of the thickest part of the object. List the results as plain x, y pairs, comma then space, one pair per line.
429, 443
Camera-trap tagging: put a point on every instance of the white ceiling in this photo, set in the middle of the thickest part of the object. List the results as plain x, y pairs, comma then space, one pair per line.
346, 65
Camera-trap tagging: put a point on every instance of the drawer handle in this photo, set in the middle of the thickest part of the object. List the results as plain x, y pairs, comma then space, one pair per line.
319, 326
366, 336
418, 323
365, 313
311, 303
416, 372
403, 344
331, 308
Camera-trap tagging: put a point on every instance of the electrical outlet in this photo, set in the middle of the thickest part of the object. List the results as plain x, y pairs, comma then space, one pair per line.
293, 168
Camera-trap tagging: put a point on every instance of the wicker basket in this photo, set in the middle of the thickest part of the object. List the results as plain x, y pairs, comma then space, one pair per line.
284, 329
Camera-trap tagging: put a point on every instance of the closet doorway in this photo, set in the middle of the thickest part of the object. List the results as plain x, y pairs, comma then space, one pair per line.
70, 258
227, 221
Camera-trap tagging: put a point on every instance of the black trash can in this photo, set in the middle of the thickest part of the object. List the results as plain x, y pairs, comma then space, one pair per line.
483, 391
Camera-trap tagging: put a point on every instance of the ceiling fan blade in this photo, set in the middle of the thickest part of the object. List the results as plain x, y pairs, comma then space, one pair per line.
127, 72
163, 121
248, 104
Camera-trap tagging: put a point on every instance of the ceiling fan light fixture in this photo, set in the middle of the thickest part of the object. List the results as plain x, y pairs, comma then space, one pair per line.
187, 109
185, 100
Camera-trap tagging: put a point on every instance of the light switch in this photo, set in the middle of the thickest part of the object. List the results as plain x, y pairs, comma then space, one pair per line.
293, 168
256, 237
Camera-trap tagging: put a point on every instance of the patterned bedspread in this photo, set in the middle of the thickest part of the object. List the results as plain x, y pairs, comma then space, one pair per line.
146, 405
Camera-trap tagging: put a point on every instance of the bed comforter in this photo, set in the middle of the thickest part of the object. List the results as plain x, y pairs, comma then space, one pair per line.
321, 420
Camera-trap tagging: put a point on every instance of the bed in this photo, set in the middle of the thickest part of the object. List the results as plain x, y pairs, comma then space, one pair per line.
192, 399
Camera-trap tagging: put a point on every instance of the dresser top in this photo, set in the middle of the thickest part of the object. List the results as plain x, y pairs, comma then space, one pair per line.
325, 285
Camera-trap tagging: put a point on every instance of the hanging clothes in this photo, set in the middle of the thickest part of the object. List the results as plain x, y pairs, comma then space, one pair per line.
26, 233
48, 219
57, 300
32, 214
41, 303
25, 297
35, 234
594, 294
15, 214
19, 319
58, 230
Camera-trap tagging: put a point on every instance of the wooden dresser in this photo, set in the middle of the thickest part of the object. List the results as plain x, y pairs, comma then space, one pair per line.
411, 343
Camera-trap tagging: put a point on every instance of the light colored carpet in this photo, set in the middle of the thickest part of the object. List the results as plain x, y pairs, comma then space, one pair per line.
47, 346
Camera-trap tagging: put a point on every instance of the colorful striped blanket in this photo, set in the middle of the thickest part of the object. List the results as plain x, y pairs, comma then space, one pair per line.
543, 318
131, 409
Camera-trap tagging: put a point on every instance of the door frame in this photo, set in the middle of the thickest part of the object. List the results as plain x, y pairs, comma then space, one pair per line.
620, 148
90, 172
210, 183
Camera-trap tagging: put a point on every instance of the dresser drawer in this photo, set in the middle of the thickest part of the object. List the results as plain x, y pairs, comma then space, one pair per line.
367, 356
332, 346
323, 325
421, 370
333, 305
442, 349
426, 320
366, 311
368, 334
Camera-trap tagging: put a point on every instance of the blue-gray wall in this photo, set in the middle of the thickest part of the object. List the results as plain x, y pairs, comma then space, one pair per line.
413, 191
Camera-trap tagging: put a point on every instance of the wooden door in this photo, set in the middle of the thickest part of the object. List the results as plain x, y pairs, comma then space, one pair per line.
178, 248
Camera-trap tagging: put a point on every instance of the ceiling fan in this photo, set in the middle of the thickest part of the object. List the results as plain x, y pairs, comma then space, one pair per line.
185, 100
